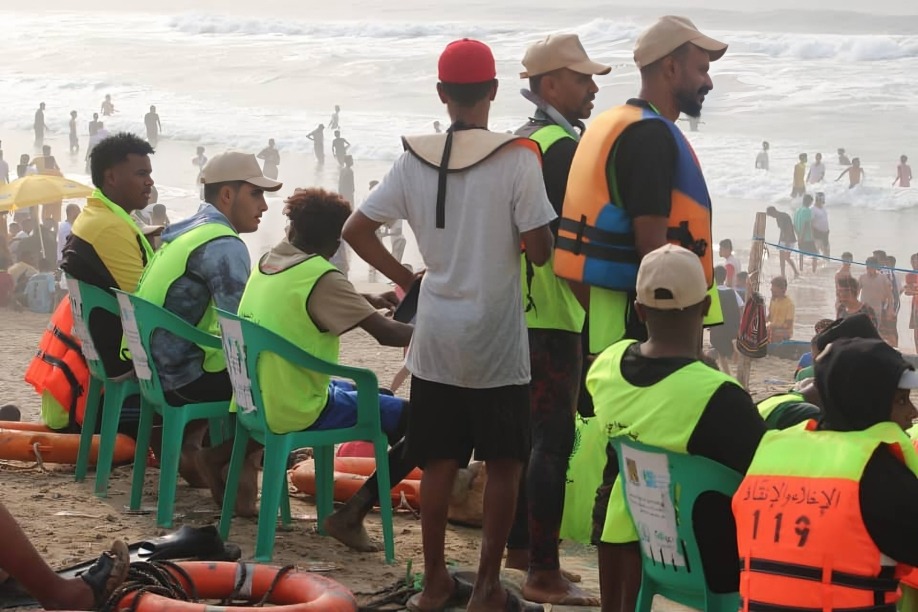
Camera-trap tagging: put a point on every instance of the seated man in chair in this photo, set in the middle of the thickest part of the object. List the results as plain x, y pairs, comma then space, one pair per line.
295, 292
203, 262
661, 394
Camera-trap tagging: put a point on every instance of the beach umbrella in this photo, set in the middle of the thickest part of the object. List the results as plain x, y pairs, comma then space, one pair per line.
36, 189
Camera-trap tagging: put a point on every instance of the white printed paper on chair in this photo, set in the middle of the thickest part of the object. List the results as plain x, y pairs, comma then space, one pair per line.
647, 491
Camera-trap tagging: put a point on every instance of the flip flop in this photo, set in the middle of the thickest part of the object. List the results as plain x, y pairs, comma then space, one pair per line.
459, 598
108, 572
202, 543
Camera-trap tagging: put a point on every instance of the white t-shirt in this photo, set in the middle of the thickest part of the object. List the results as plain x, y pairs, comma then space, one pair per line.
470, 330
820, 219
817, 172
737, 268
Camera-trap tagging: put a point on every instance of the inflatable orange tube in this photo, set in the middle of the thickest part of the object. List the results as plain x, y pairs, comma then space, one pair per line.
26, 426
57, 447
295, 591
303, 476
365, 466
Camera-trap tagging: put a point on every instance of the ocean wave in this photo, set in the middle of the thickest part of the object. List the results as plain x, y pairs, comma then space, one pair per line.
812, 47
208, 23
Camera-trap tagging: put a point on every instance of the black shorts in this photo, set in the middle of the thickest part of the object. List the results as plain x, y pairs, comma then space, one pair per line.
449, 422
208, 387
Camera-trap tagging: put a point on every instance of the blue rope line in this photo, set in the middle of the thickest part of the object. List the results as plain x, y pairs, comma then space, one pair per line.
817, 255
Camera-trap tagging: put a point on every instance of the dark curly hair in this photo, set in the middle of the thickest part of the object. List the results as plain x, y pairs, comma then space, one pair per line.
316, 218
112, 151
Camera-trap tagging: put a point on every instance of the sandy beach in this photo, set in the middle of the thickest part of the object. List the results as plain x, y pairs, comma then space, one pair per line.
68, 524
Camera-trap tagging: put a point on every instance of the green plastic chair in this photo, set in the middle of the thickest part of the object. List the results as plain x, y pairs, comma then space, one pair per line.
243, 343
689, 477
84, 300
140, 319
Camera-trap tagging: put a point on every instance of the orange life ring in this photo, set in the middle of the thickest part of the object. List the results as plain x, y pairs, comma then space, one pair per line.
295, 591
303, 476
20, 445
365, 466
26, 426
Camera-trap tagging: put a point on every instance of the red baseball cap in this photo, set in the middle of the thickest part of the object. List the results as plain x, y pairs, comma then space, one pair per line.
466, 61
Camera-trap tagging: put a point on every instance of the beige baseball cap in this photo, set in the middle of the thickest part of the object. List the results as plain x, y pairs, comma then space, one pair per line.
668, 34
559, 51
237, 166
671, 278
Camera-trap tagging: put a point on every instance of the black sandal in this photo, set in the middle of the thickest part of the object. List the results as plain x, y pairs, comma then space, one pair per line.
108, 573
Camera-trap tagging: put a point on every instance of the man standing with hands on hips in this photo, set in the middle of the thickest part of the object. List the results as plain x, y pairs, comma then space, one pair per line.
634, 186
562, 88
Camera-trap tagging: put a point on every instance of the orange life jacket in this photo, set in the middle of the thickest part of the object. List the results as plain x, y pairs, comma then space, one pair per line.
59, 366
596, 243
802, 541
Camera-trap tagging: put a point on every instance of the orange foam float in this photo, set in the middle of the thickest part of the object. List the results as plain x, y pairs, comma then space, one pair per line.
350, 474
51, 447
287, 590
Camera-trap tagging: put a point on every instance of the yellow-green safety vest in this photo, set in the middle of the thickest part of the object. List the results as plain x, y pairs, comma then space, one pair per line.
548, 299
169, 264
293, 397
770, 404
664, 415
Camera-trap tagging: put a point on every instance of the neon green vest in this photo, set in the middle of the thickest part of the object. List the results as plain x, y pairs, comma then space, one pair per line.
770, 404
663, 415
293, 397
552, 305
169, 264
827, 454
609, 312
650, 415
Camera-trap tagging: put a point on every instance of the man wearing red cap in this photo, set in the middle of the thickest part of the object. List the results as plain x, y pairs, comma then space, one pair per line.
471, 197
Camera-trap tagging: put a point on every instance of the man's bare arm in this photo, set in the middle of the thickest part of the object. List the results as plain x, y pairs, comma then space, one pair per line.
538, 244
650, 233
360, 233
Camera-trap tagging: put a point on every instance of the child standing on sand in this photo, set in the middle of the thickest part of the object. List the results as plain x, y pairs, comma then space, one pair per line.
780, 312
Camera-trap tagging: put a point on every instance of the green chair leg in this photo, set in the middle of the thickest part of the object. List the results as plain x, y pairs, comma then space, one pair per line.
144, 432
111, 415
173, 428
240, 442
90, 420
380, 447
286, 518
275, 463
325, 483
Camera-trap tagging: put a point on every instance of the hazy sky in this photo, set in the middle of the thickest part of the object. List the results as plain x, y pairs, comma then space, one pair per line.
361, 9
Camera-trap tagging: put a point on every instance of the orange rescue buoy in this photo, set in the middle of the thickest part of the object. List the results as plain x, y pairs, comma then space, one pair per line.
26, 426
365, 466
25, 445
291, 591
303, 476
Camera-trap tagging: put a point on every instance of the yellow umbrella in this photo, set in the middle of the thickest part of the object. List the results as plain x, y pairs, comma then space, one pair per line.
38, 189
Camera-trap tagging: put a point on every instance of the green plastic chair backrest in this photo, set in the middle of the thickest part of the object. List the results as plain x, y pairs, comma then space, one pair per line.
661, 488
140, 320
84, 299
243, 344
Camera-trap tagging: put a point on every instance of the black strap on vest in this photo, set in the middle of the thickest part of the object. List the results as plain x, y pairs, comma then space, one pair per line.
76, 389
595, 234
444, 170
598, 251
683, 236
881, 585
